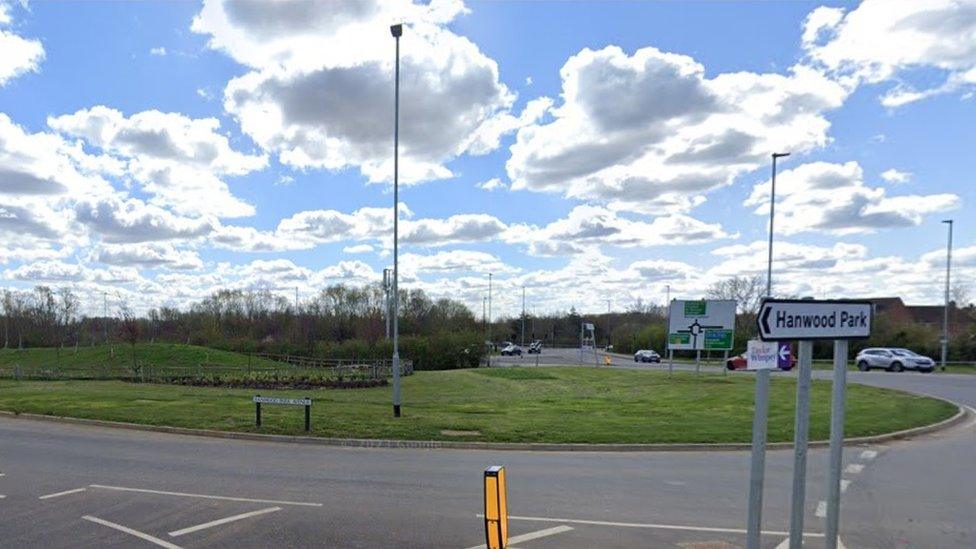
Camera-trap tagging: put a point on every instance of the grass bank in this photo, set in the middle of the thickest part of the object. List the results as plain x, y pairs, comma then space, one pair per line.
560, 404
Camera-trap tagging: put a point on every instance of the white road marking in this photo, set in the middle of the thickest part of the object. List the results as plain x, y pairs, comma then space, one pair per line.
59, 494
218, 522
3, 474
653, 526
2, 496
131, 532
844, 483
531, 536
821, 509
854, 468
868, 455
203, 496
785, 544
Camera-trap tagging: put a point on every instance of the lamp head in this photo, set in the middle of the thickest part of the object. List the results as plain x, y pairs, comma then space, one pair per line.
396, 30
780, 155
949, 221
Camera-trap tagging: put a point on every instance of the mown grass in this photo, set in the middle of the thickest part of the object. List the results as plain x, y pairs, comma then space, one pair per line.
106, 360
560, 404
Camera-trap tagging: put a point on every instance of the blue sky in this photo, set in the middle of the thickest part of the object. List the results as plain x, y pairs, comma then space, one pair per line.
160, 151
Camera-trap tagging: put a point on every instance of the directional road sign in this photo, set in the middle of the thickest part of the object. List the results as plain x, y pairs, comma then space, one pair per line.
808, 319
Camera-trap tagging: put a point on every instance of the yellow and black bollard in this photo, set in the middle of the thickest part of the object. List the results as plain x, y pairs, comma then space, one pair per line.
496, 508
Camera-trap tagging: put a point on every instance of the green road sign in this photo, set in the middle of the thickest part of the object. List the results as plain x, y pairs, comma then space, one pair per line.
695, 308
718, 339
679, 339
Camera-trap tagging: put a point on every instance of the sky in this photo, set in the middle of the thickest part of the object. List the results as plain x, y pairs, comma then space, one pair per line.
156, 152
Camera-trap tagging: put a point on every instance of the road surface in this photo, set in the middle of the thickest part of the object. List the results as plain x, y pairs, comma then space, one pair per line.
80, 486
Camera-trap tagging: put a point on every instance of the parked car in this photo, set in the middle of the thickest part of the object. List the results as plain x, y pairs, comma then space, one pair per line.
535, 347
739, 362
512, 350
647, 355
893, 359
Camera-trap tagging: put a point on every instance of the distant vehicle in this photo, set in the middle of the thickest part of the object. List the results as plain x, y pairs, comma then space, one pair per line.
512, 350
608, 348
535, 347
739, 362
647, 355
893, 359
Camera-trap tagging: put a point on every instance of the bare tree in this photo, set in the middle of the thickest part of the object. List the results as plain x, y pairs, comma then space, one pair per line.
961, 294
747, 291
130, 330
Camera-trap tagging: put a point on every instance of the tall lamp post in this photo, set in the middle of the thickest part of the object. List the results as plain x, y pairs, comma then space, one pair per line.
758, 469
396, 31
945, 312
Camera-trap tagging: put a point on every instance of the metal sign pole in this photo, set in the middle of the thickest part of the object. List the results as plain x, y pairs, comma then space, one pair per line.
697, 361
754, 528
670, 362
838, 396
801, 432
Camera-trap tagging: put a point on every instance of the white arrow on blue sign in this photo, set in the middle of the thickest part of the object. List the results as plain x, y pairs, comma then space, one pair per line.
808, 319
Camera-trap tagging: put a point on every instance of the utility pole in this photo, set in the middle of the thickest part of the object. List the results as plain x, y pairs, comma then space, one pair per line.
668, 289
609, 344
396, 31
296, 300
491, 344
523, 315
105, 318
945, 312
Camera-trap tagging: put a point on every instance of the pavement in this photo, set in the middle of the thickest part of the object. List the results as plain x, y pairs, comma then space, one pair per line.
69, 485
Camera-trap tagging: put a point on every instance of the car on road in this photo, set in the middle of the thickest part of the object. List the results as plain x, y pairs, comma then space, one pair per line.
535, 347
893, 359
739, 362
647, 355
512, 350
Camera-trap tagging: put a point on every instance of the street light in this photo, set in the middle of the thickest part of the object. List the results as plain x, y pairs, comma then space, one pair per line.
396, 31
945, 312
772, 212
759, 420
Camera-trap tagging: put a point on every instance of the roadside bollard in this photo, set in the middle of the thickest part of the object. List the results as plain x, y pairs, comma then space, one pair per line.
496, 508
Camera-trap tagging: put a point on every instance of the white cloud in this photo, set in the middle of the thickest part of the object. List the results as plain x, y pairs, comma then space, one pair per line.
359, 249
589, 225
883, 39
649, 131
894, 176
178, 160
158, 51
20, 55
119, 220
452, 261
319, 94
147, 256
833, 198
492, 184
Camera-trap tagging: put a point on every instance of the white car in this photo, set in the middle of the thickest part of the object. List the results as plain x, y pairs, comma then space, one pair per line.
647, 355
512, 350
893, 359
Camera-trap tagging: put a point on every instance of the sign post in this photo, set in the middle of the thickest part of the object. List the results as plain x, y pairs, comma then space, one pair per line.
306, 402
808, 320
700, 325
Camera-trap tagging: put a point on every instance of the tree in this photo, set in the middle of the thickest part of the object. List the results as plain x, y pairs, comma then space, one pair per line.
130, 330
747, 291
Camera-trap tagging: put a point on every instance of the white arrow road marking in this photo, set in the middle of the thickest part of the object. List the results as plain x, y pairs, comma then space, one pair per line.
59, 494
785, 544
868, 455
131, 532
218, 522
821, 509
854, 468
532, 535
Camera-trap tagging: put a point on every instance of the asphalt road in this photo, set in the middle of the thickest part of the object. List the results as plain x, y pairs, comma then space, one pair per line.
199, 492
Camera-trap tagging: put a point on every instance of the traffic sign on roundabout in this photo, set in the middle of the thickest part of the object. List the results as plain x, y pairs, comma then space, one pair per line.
807, 319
